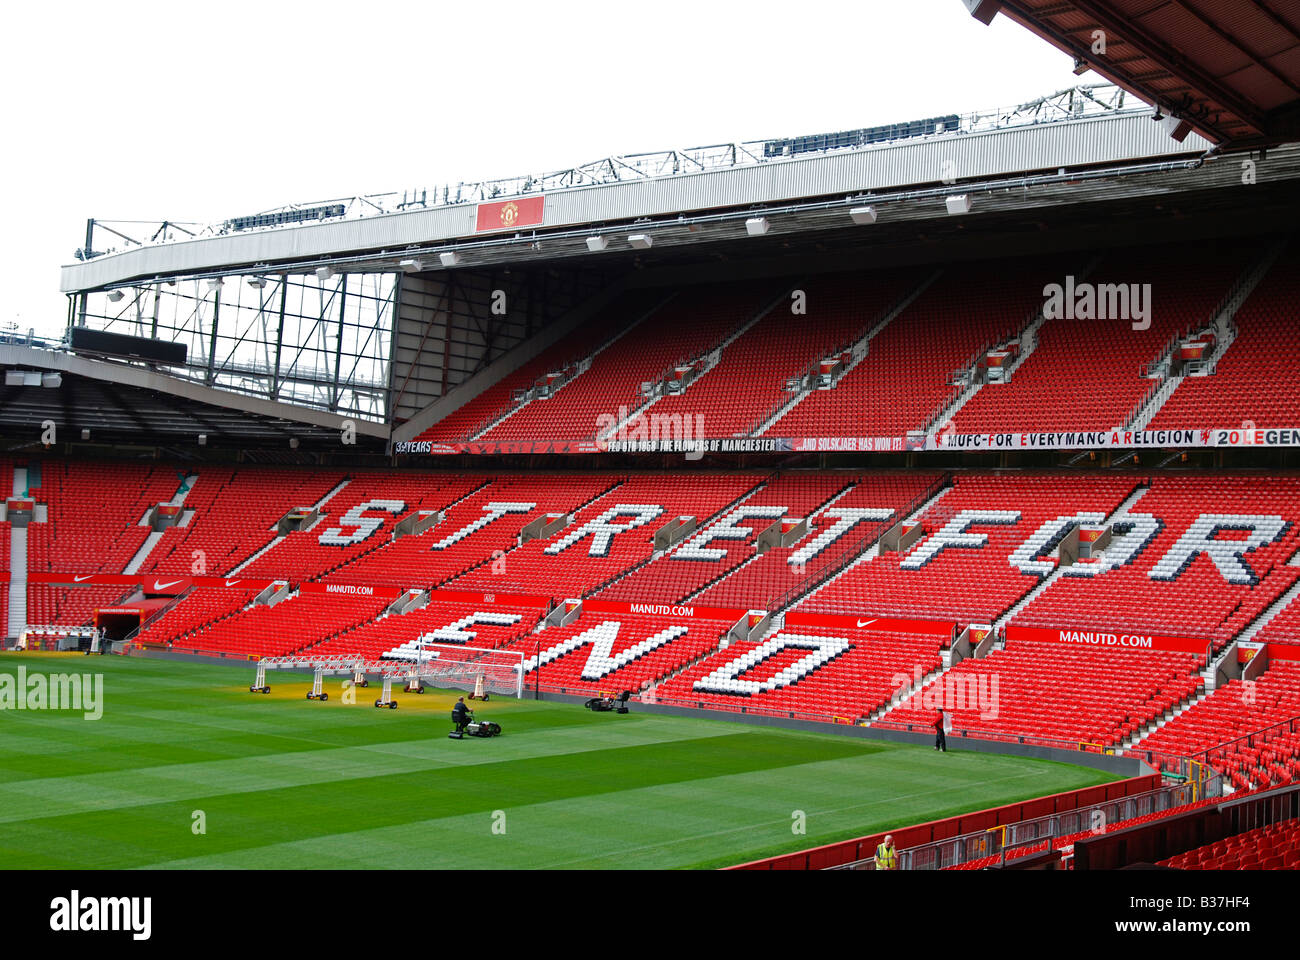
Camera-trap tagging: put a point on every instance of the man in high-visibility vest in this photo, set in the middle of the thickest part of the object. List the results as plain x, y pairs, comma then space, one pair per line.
886, 855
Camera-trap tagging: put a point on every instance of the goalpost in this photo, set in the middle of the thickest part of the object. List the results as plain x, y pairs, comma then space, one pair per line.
463, 668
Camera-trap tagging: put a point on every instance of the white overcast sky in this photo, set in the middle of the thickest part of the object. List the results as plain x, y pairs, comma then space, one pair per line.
201, 112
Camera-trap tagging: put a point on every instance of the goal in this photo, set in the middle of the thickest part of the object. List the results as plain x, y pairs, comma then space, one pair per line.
461, 667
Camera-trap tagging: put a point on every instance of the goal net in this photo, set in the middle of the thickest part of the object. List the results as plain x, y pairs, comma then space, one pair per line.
464, 668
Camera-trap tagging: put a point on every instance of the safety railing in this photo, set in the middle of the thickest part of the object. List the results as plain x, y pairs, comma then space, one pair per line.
1049, 832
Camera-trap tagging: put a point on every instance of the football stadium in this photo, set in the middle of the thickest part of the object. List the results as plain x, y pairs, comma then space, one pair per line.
919, 497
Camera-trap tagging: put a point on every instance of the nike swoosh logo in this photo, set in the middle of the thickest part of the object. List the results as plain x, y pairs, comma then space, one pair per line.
231, 583
163, 586
82, 579
863, 623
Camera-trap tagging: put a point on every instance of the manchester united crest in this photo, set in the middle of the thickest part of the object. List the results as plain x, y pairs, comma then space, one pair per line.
509, 214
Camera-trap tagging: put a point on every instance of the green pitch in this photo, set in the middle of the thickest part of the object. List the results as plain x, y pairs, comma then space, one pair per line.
186, 768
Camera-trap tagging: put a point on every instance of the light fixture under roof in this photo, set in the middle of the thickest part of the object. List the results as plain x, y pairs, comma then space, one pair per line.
757, 226
597, 244
863, 216
640, 241
448, 258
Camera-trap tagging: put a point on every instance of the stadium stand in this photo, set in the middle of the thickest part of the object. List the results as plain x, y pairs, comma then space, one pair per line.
767, 578
610, 653
1170, 587
690, 325
594, 549
1274, 847
907, 375
93, 514
234, 516
1051, 692
748, 384
564, 358
49, 605
442, 621
720, 548
961, 570
860, 670
1232, 725
1284, 627
1254, 379
1087, 374
478, 530
200, 608
357, 520
286, 627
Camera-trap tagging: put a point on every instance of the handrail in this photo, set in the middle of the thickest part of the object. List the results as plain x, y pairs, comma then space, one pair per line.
1050, 829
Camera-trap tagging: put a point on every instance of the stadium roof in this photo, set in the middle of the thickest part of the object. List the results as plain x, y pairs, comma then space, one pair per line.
125, 404
1227, 69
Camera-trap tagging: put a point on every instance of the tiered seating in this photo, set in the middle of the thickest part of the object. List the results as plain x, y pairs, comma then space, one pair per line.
969, 584
688, 326
1086, 374
1284, 627
1197, 601
1274, 847
49, 605
328, 545
748, 384
389, 633
618, 651
563, 567
1255, 379
1235, 711
578, 345
906, 377
1052, 692
93, 514
679, 575
235, 513
289, 626
467, 537
859, 671
200, 608
770, 576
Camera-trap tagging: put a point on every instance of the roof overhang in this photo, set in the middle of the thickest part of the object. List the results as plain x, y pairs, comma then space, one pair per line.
1227, 69
840, 177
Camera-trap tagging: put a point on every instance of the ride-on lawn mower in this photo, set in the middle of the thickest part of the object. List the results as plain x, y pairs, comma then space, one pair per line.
475, 728
606, 704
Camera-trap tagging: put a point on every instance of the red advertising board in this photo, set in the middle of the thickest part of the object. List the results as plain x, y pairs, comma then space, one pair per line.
939, 628
1106, 639
243, 583
86, 579
351, 590
510, 214
506, 599
676, 611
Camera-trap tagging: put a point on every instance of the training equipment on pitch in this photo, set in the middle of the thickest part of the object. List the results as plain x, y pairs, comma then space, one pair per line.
438, 664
